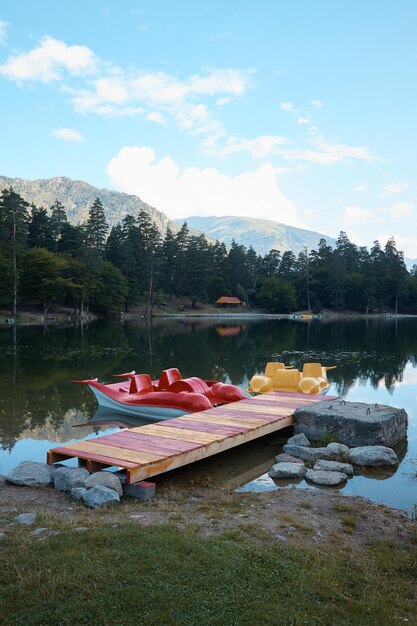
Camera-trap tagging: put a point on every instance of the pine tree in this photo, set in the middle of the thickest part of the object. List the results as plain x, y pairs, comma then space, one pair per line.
96, 228
40, 231
14, 220
58, 220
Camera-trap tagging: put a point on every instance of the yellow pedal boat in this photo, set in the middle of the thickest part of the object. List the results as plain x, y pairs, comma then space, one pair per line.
279, 377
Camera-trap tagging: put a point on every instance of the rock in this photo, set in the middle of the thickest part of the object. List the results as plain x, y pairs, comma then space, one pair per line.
321, 477
301, 452
286, 458
31, 474
39, 531
3, 536
26, 518
100, 496
2, 480
78, 493
334, 466
299, 440
106, 479
280, 538
337, 452
287, 470
373, 456
80, 529
67, 478
352, 423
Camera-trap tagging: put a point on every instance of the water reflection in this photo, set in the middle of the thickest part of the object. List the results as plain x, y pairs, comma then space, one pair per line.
376, 362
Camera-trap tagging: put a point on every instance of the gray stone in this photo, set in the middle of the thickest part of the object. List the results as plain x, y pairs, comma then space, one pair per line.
80, 529
67, 478
3, 536
301, 452
373, 456
334, 466
39, 531
299, 440
352, 423
100, 496
2, 480
337, 452
26, 518
31, 474
321, 477
287, 470
286, 458
280, 538
106, 479
78, 493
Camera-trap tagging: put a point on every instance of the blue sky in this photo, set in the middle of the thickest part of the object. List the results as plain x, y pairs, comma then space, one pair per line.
303, 112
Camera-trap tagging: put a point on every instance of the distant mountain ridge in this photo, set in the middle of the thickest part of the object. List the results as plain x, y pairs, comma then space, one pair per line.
78, 196
262, 235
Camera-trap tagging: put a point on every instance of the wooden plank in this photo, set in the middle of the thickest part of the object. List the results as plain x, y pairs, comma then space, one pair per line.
203, 427
186, 435
263, 416
170, 463
141, 445
116, 453
245, 423
260, 409
69, 453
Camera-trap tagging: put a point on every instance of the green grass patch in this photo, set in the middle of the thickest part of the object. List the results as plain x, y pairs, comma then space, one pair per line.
162, 575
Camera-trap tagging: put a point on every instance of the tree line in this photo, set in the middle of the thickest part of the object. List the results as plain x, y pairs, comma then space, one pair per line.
45, 261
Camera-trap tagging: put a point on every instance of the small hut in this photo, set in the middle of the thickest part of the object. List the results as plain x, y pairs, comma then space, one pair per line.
229, 302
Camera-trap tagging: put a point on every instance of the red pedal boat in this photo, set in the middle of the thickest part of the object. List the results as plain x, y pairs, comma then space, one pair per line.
169, 396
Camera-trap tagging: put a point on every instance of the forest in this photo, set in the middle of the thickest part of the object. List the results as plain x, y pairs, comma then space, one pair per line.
46, 261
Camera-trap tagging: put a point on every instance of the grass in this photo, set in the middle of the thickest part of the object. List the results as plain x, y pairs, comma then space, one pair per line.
349, 522
162, 575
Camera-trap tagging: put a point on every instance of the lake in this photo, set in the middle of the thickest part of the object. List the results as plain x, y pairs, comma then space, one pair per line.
376, 362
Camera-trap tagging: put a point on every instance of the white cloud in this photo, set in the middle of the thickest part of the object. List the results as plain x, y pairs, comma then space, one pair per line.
68, 134
287, 106
156, 117
222, 101
195, 191
357, 215
317, 104
47, 62
3, 31
393, 189
259, 147
400, 209
326, 153
303, 120
360, 188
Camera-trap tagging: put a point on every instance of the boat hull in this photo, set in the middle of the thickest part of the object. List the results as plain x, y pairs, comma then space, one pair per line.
148, 412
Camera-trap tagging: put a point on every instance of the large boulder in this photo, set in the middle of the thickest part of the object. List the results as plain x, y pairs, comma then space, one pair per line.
106, 479
373, 456
78, 493
332, 452
67, 478
301, 452
352, 423
32, 474
322, 477
334, 466
100, 496
287, 470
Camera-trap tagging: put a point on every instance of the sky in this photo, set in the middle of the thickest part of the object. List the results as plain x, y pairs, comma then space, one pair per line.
303, 112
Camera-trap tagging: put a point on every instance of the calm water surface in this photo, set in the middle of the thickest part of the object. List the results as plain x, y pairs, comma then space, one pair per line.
376, 362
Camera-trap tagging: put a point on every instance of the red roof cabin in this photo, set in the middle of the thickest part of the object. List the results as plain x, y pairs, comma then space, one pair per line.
228, 301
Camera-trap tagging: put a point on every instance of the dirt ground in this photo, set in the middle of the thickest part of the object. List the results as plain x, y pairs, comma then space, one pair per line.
297, 517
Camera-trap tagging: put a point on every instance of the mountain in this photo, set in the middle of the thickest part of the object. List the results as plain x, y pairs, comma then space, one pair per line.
78, 196
262, 235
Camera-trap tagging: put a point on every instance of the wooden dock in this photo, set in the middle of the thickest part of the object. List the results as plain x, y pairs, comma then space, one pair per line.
156, 448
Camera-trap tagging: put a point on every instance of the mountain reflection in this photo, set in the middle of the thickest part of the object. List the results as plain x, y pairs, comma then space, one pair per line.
38, 363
